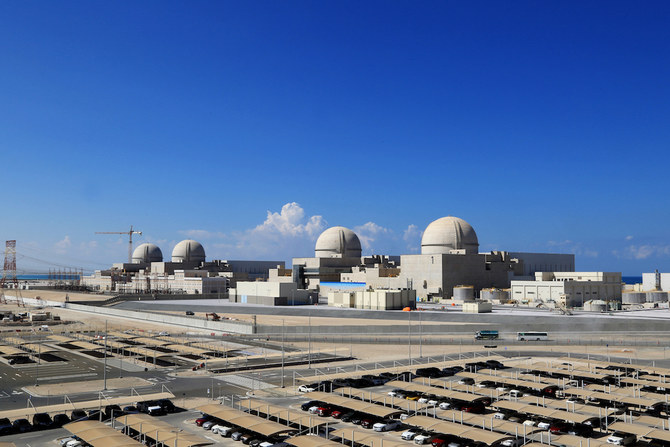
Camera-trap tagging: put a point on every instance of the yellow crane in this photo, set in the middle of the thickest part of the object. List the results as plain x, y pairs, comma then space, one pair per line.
130, 239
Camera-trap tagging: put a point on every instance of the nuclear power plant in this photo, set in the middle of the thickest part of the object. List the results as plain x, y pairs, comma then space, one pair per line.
449, 268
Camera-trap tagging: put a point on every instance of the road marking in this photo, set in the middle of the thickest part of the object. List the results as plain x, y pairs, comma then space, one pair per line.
66, 377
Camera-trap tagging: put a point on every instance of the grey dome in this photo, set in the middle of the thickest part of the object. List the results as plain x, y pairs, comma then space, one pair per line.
449, 233
146, 253
338, 242
188, 251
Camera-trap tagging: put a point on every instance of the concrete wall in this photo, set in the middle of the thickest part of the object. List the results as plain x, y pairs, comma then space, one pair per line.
172, 320
544, 262
649, 281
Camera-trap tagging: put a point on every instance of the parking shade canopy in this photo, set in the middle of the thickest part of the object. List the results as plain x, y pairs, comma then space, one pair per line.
354, 404
240, 418
311, 441
98, 434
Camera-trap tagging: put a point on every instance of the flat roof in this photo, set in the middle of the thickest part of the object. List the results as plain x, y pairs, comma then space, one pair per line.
354, 404
246, 420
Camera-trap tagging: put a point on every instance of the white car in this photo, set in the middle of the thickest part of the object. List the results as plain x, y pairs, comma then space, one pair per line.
512, 442
215, 428
516, 394
408, 435
433, 402
386, 425
466, 381
422, 439
312, 410
500, 416
423, 400
265, 444
544, 425
618, 438
164, 333
444, 405
502, 389
226, 431
529, 423
306, 389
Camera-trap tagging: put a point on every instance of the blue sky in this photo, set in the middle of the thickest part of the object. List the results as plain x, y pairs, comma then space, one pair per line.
251, 126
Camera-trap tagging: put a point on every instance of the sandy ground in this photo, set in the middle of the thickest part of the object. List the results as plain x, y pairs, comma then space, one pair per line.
59, 389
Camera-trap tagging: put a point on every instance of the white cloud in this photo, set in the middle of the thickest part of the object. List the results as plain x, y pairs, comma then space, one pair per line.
370, 232
281, 236
288, 222
412, 237
629, 237
63, 245
644, 251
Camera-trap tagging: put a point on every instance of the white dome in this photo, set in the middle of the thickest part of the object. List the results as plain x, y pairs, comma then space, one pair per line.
188, 251
449, 233
338, 242
146, 253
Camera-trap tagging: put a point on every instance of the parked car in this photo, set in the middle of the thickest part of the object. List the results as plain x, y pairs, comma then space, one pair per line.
494, 364
215, 428
423, 438
208, 424
201, 421
246, 438
22, 426
225, 432
620, 438
307, 388
78, 415
130, 409
348, 416
42, 421
237, 434
6, 427
376, 380
516, 394
324, 411
466, 381
307, 405
430, 372
190, 312
167, 405
386, 425
112, 411
408, 435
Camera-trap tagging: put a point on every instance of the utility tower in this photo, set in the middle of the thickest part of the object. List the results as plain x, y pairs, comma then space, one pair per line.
9, 272
130, 239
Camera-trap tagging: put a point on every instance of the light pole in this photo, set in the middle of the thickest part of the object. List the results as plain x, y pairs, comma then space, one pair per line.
104, 368
282, 353
309, 345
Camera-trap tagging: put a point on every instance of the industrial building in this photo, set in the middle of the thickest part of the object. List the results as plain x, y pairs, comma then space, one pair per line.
188, 272
568, 289
449, 258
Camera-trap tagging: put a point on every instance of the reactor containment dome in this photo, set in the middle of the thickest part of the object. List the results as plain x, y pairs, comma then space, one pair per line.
449, 233
147, 253
338, 242
188, 251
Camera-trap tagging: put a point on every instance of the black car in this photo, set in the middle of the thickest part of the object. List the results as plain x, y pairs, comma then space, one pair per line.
347, 417
42, 421
167, 405
112, 411
60, 419
190, 312
495, 364
78, 415
255, 442
6, 427
130, 410
22, 426
94, 415
430, 372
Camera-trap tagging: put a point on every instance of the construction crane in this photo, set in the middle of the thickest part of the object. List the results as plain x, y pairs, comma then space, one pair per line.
130, 239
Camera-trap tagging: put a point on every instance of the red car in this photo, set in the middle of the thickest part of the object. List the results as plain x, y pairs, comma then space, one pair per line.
201, 421
324, 411
337, 414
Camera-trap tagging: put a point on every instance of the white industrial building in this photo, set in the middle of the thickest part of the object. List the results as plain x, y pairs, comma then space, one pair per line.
188, 272
449, 257
569, 289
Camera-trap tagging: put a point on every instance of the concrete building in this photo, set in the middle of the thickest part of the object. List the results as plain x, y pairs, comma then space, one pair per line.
188, 272
570, 289
373, 299
449, 257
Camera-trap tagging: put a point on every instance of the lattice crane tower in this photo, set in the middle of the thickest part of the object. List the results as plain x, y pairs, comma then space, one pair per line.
9, 272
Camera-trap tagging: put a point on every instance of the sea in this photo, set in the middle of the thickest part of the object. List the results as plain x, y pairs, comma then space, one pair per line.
632, 279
